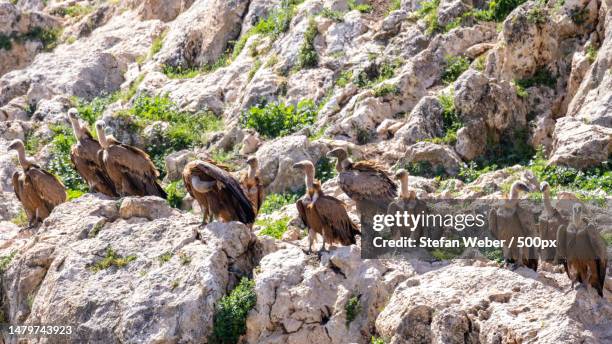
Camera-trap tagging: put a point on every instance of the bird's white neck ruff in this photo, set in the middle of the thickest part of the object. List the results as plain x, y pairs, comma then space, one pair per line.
200, 185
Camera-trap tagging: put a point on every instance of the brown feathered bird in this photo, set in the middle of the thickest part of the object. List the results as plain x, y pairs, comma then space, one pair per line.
38, 190
218, 193
252, 185
84, 156
583, 251
130, 169
548, 223
505, 224
323, 214
407, 202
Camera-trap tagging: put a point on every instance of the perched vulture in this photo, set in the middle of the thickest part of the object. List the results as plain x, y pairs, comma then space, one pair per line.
549, 222
218, 193
583, 251
38, 190
363, 180
406, 202
505, 224
84, 156
129, 168
323, 214
251, 183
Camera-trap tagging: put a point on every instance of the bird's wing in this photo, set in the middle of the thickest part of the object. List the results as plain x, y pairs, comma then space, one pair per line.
17, 185
333, 214
133, 159
260, 193
231, 185
47, 186
302, 211
493, 222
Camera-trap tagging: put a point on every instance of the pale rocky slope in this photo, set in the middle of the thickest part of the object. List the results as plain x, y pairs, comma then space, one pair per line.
107, 47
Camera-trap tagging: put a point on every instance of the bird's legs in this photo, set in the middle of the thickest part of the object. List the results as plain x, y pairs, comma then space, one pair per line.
311, 237
322, 248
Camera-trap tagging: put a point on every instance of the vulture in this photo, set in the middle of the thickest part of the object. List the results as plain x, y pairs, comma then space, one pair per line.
549, 222
252, 185
367, 183
323, 214
505, 224
406, 202
218, 193
129, 168
38, 190
583, 251
84, 156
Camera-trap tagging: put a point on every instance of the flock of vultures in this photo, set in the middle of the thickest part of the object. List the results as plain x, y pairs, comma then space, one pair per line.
118, 170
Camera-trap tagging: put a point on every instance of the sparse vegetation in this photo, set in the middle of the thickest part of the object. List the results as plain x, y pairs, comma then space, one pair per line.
493, 253
176, 192
60, 163
273, 228
229, 322
336, 16
180, 72
325, 169
279, 119
273, 26
184, 258
275, 201
254, 69
450, 119
537, 15
363, 8
156, 45
579, 15
352, 308
48, 37
395, 5
377, 73
429, 14
21, 219
73, 11
6, 260
5, 42
344, 78
164, 257
454, 67
376, 340
591, 53
307, 55
542, 77
92, 111
386, 89
112, 259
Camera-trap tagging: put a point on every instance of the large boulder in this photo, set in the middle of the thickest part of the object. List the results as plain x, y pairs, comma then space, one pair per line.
277, 157
468, 304
300, 300
128, 280
580, 144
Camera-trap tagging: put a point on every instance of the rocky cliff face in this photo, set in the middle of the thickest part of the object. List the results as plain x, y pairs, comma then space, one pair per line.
460, 93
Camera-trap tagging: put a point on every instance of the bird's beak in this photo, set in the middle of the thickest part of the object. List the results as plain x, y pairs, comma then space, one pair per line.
298, 166
331, 154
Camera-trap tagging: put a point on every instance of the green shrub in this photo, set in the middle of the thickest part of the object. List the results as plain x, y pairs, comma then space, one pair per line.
325, 169
60, 163
344, 78
498, 10
429, 14
185, 130
112, 259
386, 89
273, 228
542, 77
471, 172
352, 308
591, 53
493, 253
274, 202
479, 63
164, 257
275, 24
454, 67
376, 340
450, 120
176, 192
333, 15
376, 74
92, 111
363, 8
222, 61
229, 321
179, 72
423, 168
606, 236
446, 253
6, 42
32, 142
307, 55
254, 69
395, 5
74, 194
48, 37
74, 11
6, 260
21, 219
279, 119
537, 15
156, 45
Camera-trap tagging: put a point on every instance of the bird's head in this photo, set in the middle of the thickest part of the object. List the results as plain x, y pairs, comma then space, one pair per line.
577, 212
16, 145
338, 153
401, 174
519, 186
305, 166
253, 162
73, 114
544, 187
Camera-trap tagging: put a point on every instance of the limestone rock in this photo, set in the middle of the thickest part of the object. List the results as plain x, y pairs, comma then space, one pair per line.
580, 144
149, 207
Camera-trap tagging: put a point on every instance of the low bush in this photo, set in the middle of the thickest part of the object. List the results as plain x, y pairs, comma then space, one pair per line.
454, 67
352, 308
60, 163
363, 8
229, 321
275, 201
278, 119
6, 260
273, 228
112, 259
176, 192
307, 55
